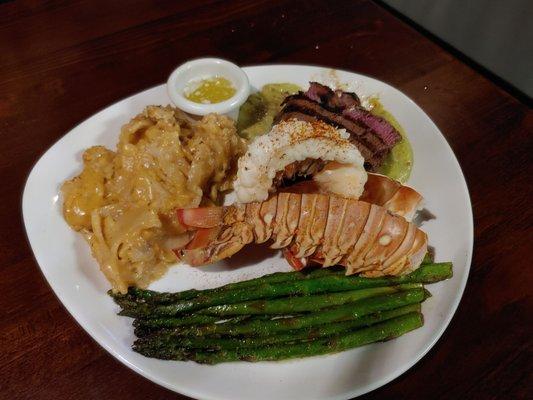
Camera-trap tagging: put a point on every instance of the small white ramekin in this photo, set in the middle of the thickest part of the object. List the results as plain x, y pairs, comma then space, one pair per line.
203, 68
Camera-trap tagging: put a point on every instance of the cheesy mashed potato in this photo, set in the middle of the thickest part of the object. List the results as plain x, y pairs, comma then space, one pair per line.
123, 200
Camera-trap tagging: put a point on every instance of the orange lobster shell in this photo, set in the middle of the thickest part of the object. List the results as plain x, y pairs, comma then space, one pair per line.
365, 238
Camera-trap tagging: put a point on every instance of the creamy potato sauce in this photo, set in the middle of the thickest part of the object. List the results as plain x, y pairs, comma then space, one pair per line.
123, 201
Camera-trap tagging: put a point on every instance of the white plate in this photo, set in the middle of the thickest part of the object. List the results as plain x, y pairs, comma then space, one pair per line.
74, 276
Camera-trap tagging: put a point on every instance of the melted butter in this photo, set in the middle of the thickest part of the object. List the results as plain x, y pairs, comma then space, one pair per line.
211, 90
399, 162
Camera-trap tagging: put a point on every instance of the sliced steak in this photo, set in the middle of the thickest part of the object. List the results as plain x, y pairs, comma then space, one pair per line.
373, 158
344, 100
379, 125
367, 154
319, 93
373, 135
356, 130
372, 147
332, 100
294, 114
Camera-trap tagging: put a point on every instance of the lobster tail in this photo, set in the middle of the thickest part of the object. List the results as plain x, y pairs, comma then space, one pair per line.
365, 238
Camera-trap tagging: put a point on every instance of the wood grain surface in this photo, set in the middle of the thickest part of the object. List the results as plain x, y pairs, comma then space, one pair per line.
61, 61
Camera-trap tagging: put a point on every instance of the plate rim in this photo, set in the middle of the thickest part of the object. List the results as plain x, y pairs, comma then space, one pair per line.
81, 321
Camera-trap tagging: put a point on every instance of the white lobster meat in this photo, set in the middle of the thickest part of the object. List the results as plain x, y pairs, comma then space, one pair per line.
296, 147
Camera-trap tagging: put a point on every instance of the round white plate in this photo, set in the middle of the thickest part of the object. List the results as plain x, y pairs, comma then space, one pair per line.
74, 276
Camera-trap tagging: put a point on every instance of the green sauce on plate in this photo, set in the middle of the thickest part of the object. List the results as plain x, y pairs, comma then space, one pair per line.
257, 113
399, 162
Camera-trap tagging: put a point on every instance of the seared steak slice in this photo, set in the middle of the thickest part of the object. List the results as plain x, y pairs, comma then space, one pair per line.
361, 132
379, 125
344, 100
373, 135
332, 100
368, 155
371, 146
319, 93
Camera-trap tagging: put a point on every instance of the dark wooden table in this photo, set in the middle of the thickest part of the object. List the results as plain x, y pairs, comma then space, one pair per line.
60, 62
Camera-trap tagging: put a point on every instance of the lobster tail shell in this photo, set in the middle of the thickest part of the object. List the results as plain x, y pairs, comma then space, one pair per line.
392, 195
365, 238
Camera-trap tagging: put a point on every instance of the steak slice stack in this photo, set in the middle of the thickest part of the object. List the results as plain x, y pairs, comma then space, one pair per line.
373, 135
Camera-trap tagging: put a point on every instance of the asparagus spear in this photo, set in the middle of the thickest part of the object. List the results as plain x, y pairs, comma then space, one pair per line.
347, 312
302, 303
135, 294
382, 331
186, 320
149, 296
144, 327
159, 340
334, 283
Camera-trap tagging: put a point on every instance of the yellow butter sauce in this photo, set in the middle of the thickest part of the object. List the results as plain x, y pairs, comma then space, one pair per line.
211, 90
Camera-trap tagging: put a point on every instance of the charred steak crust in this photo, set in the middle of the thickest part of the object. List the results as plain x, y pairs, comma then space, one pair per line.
332, 100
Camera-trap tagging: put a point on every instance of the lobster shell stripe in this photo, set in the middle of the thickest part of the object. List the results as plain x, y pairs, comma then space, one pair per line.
303, 242
266, 216
280, 231
336, 213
